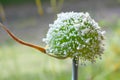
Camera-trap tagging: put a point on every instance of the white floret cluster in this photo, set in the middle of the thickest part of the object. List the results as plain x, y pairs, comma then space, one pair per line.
75, 34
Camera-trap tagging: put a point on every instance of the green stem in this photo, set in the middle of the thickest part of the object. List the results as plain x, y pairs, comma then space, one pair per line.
75, 63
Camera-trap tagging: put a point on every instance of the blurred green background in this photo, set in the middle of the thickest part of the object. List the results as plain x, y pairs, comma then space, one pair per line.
29, 20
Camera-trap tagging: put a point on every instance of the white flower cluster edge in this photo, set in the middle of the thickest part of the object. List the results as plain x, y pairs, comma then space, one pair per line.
75, 34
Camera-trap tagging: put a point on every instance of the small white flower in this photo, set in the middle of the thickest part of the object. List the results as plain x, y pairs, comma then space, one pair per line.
103, 32
87, 40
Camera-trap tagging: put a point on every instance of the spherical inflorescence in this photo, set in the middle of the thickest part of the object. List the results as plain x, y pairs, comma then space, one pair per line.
75, 34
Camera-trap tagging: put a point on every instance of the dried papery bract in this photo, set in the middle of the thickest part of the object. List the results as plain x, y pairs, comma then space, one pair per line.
21, 41
43, 50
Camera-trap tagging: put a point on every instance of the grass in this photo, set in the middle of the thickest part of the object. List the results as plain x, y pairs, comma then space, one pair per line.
22, 63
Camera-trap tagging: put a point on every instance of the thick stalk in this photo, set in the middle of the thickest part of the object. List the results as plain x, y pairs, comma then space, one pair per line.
75, 63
